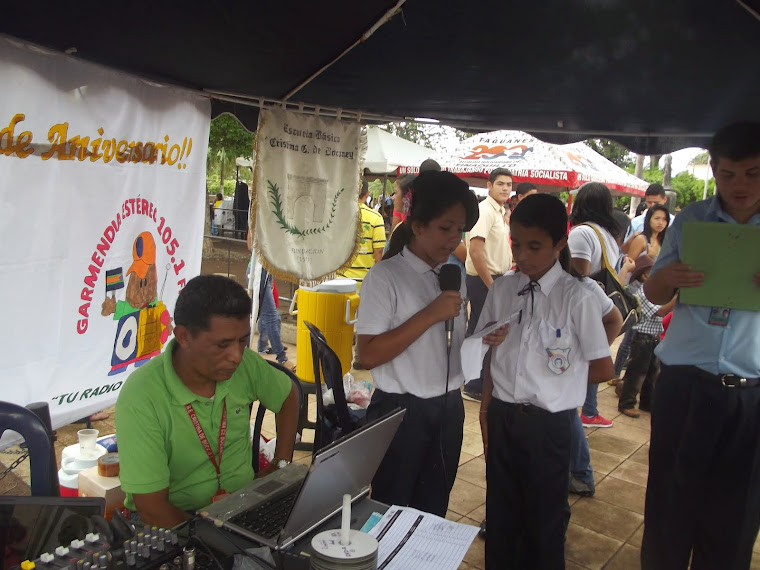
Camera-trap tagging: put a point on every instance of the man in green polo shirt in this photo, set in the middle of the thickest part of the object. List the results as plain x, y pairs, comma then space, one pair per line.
182, 419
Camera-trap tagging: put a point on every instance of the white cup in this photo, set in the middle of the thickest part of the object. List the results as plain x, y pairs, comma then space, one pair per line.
87, 442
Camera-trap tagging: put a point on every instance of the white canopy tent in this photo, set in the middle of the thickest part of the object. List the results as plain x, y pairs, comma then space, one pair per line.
386, 152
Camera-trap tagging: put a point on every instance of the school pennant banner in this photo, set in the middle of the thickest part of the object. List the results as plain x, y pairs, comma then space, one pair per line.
306, 184
103, 181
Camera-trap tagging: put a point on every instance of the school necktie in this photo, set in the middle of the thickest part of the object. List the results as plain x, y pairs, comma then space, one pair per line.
531, 287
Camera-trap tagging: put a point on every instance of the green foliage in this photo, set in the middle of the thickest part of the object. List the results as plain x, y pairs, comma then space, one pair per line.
229, 135
612, 151
701, 158
688, 188
376, 188
212, 184
227, 140
425, 134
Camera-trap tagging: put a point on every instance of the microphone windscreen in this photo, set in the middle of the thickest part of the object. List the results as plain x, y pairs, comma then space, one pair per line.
450, 277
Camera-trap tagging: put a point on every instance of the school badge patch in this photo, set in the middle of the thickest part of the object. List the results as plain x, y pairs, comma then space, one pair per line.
559, 359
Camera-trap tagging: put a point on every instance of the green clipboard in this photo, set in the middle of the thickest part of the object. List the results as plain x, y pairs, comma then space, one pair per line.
729, 256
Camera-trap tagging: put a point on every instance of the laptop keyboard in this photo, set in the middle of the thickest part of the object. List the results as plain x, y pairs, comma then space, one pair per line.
268, 518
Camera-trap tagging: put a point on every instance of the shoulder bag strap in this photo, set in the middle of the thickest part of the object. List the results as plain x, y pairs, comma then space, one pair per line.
603, 245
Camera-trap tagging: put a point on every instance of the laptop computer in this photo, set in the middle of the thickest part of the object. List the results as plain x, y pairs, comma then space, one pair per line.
30, 526
279, 509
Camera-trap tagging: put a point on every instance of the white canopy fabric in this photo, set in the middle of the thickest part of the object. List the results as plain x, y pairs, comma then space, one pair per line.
532, 160
386, 152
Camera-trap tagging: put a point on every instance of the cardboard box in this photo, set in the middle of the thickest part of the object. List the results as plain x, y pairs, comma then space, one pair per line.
93, 485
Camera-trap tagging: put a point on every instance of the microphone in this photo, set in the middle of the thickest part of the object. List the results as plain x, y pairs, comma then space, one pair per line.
450, 279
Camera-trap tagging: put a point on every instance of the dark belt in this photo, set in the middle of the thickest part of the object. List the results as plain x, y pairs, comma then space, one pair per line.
528, 409
728, 380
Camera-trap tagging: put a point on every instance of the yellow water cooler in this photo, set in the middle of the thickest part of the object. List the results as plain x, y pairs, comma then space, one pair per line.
331, 306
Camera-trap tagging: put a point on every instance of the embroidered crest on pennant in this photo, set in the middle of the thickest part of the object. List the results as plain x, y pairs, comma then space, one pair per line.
559, 359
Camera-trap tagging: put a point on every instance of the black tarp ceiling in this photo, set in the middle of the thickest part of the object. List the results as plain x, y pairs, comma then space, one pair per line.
656, 75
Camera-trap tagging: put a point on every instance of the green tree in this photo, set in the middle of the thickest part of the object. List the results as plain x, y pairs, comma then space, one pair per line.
227, 140
612, 151
424, 134
701, 158
687, 188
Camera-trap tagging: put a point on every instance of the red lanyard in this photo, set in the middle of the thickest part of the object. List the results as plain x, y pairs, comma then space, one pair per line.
204, 439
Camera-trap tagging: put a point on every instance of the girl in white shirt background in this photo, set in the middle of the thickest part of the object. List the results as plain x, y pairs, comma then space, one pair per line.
534, 382
402, 338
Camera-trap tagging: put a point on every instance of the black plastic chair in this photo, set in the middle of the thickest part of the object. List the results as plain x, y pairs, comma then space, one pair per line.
39, 443
336, 420
262, 410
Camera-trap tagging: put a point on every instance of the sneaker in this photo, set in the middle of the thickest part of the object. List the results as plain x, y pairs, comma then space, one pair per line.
470, 395
597, 421
578, 487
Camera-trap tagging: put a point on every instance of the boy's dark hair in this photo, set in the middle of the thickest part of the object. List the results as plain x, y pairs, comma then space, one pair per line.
594, 204
208, 295
496, 172
364, 190
433, 193
525, 187
547, 213
220, 196
429, 164
655, 190
737, 141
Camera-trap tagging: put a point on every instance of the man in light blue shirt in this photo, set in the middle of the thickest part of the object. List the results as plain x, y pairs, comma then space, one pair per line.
703, 494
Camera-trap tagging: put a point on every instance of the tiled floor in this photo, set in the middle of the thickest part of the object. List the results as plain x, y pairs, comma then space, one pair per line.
605, 531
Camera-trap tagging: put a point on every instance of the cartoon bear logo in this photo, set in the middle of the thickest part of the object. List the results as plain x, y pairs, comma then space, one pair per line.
144, 323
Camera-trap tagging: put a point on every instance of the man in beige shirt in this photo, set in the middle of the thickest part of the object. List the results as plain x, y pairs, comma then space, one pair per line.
489, 255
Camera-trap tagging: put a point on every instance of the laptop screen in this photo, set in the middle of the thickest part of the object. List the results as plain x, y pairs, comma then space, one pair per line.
30, 526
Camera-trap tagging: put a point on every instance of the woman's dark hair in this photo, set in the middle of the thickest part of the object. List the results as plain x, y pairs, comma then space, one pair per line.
648, 218
594, 204
547, 213
640, 208
208, 295
623, 223
405, 183
433, 193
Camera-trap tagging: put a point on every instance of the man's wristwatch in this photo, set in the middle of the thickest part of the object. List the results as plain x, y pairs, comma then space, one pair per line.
282, 463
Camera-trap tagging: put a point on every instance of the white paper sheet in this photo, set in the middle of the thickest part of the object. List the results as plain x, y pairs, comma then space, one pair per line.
409, 538
473, 350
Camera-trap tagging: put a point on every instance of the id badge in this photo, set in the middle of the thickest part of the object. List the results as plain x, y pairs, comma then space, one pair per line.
220, 494
719, 316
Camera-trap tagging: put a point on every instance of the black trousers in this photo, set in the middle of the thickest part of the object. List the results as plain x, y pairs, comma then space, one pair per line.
528, 478
421, 464
641, 373
476, 294
703, 494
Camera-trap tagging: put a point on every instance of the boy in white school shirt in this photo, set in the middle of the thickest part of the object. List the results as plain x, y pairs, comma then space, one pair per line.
534, 381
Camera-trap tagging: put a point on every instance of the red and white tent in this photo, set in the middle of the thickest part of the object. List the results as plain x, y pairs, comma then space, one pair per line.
529, 159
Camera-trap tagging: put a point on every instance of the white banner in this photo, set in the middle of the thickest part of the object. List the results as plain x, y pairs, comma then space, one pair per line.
306, 183
102, 177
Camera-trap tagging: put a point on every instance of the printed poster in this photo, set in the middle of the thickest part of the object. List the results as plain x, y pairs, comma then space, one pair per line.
103, 187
